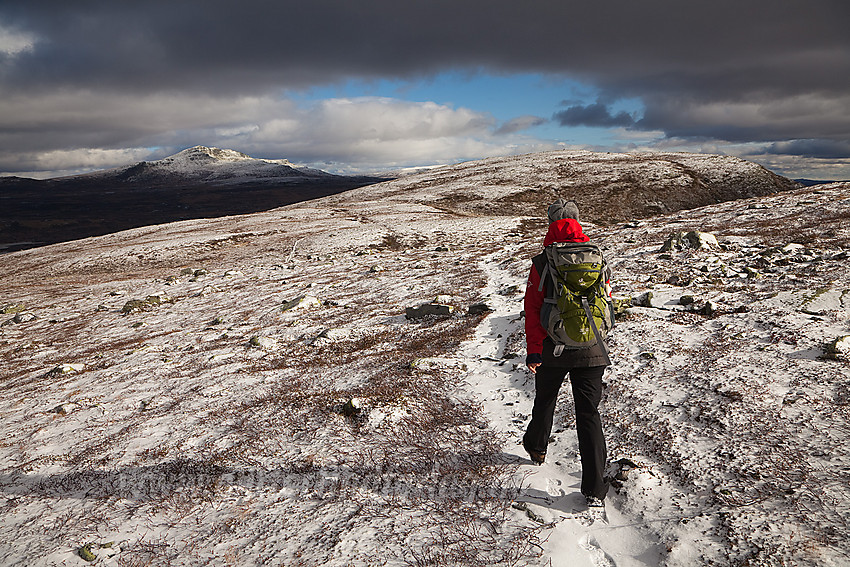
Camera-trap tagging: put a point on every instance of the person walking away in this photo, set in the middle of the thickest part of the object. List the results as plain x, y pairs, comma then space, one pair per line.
551, 361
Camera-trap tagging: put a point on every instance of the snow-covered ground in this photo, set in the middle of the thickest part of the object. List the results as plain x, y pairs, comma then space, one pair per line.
248, 391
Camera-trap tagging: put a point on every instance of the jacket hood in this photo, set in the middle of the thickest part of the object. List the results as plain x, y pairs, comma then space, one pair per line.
565, 230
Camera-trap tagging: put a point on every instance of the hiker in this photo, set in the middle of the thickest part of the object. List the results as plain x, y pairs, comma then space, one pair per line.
550, 363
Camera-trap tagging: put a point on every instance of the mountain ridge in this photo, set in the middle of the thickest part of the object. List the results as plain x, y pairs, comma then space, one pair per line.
199, 182
205, 182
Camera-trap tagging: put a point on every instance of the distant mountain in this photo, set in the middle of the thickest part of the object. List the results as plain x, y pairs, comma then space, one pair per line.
811, 182
212, 166
199, 182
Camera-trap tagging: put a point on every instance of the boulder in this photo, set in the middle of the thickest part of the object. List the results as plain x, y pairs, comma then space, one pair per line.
23, 317
265, 343
709, 309
65, 369
643, 300
352, 407
693, 240
428, 309
839, 349
10, 308
146, 304
621, 304
65, 409
479, 308
300, 302
334, 335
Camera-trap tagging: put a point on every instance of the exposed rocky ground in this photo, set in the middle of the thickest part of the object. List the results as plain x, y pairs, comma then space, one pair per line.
248, 390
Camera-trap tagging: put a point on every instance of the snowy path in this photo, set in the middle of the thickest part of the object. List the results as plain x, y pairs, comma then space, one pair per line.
551, 491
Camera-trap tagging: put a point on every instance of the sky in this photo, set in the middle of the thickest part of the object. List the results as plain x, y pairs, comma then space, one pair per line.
377, 85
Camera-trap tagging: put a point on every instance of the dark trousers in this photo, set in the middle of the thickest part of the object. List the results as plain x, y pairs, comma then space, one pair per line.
587, 392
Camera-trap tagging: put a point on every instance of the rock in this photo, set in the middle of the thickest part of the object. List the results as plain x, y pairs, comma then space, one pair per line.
839, 349
207, 290
621, 304
509, 290
65, 409
643, 300
686, 300
709, 309
187, 272
10, 308
441, 249
65, 369
426, 309
264, 343
334, 334
86, 554
233, 273
23, 317
352, 407
376, 269
146, 304
479, 308
694, 240
793, 248
301, 302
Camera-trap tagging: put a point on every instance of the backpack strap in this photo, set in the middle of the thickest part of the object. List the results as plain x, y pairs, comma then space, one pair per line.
541, 264
543, 277
593, 326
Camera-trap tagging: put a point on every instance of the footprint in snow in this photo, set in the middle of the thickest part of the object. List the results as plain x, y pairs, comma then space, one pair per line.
553, 487
597, 556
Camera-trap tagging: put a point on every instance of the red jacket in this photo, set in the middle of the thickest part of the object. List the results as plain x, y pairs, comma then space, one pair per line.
565, 230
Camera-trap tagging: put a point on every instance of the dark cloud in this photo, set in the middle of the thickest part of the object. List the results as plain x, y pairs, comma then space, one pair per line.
821, 149
593, 115
627, 47
759, 70
519, 124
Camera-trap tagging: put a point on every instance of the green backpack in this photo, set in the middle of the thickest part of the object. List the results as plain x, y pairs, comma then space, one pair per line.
577, 311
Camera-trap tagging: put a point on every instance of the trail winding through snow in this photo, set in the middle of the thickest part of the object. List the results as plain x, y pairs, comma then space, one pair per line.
551, 492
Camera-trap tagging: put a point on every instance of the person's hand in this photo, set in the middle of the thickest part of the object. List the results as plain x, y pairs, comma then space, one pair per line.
533, 367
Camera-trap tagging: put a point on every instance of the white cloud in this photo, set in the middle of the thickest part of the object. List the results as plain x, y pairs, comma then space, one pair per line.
13, 42
354, 134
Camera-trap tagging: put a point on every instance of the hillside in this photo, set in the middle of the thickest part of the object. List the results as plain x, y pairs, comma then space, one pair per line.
199, 182
247, 390
610, 187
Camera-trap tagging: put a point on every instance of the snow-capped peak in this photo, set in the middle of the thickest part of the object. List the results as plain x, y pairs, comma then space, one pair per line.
210, 152
216, 156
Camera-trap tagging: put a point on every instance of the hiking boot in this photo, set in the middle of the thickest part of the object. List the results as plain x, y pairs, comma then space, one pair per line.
594, 502
536, 456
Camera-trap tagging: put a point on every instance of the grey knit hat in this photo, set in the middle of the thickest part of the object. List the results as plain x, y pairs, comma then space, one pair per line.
562, 209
